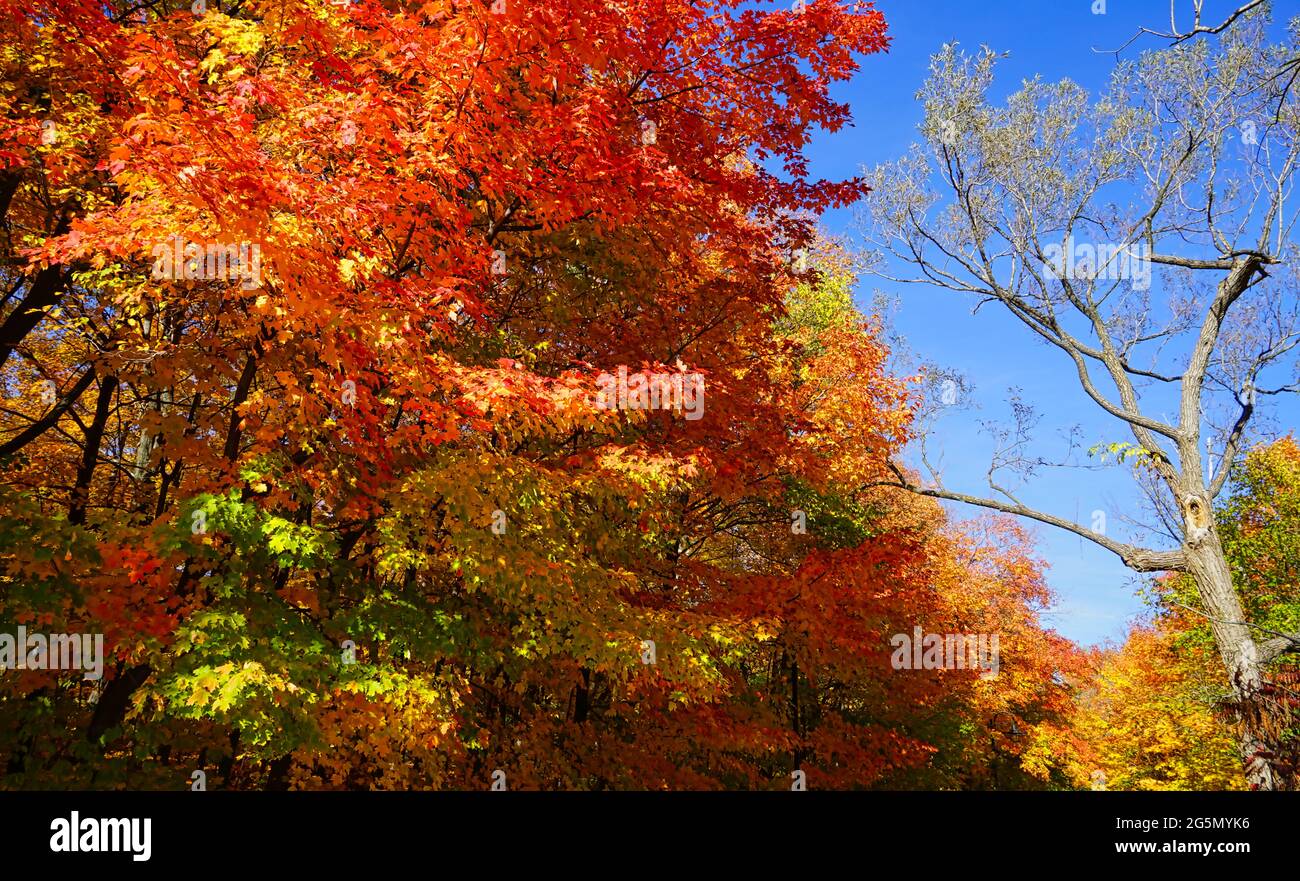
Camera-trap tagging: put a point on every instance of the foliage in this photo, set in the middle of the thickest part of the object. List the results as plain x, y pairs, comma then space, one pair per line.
348, 518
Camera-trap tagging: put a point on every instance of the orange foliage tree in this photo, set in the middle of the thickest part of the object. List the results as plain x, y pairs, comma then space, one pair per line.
306, 307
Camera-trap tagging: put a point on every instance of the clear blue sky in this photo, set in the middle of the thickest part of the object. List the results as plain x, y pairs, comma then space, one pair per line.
1054, 38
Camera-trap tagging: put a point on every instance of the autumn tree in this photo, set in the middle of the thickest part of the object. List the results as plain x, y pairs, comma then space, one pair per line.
308, 305
345, 495
1148, 719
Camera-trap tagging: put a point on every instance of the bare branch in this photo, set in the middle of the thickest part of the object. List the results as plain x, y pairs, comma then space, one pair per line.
1136, 558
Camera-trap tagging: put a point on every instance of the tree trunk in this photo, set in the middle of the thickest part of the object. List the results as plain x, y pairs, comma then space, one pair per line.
1208, 566
90, 455
44, 290
582, 701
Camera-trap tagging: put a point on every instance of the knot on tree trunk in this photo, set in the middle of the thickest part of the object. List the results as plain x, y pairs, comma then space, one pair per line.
1196, 518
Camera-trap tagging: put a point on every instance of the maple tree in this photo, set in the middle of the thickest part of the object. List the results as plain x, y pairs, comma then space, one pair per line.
305, 304
1148, 722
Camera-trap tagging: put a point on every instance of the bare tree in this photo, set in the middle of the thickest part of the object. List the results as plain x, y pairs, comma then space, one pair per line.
1146, 236
1199, 28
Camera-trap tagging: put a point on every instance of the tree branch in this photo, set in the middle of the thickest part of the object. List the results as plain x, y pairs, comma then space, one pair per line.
1138, 559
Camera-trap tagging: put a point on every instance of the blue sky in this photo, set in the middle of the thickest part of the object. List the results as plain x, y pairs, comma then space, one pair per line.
1056, 39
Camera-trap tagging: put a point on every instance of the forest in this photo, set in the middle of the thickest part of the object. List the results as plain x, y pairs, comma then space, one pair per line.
479, 395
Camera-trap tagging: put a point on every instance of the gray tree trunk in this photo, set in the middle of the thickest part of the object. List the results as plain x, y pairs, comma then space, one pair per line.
1208, 566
